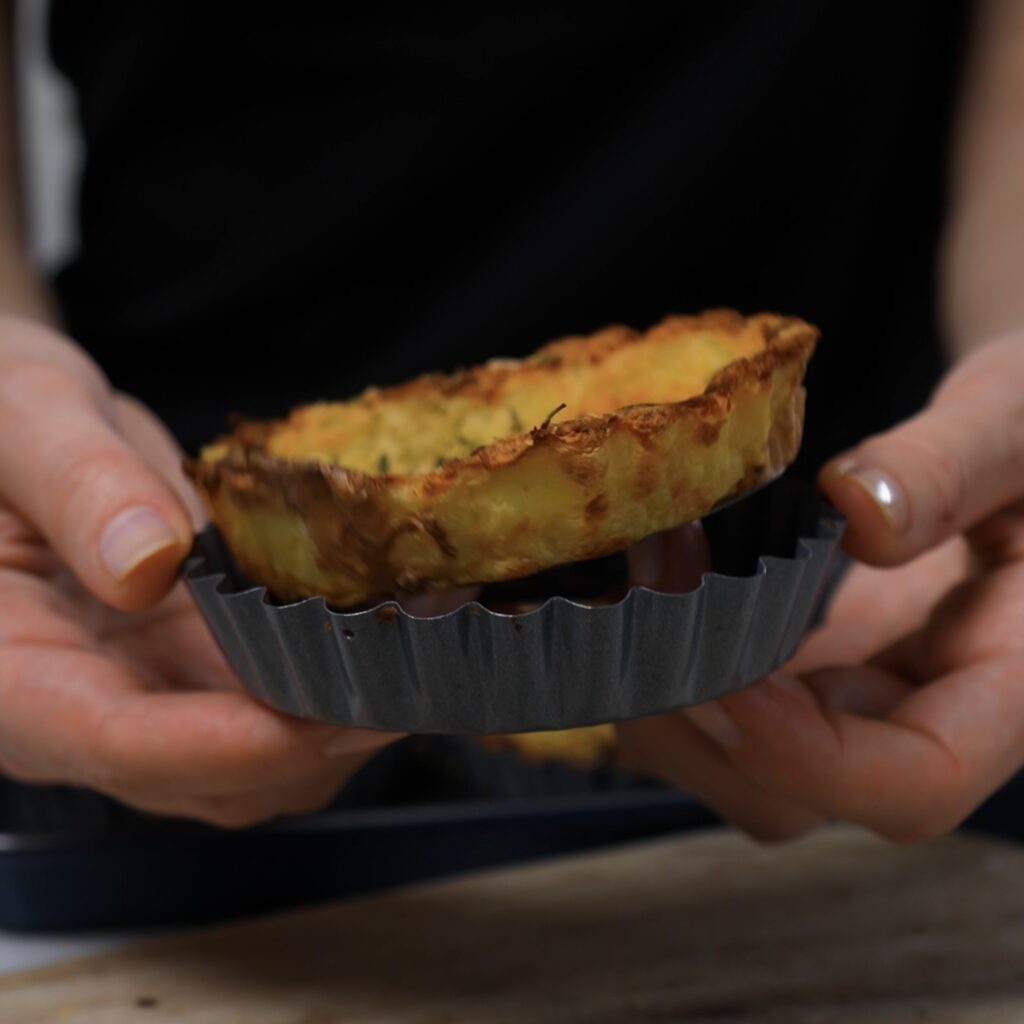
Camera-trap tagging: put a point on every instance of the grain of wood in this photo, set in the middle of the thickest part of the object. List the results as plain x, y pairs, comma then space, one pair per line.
837, 929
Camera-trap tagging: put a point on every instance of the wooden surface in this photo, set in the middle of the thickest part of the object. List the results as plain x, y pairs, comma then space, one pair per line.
710, 928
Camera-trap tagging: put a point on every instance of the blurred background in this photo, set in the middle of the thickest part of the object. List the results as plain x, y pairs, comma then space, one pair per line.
52, 147
431, 194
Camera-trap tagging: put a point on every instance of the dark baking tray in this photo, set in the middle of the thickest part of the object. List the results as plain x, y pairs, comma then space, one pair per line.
71, 859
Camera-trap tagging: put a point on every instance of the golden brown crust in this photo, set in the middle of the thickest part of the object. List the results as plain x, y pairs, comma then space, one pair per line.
312, 527
587, 747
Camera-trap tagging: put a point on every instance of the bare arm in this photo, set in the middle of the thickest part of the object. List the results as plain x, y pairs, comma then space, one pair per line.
983, 256
21, 290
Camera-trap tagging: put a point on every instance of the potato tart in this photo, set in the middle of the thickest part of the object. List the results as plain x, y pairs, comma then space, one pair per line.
586, 747
515, 466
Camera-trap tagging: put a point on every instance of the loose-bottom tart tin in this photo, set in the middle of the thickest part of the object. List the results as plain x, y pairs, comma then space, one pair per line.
563, 664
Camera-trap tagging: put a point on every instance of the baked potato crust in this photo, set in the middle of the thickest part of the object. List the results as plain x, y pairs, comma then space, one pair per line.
586, 747
559, 492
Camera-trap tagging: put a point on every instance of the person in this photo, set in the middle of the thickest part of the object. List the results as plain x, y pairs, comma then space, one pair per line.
271, 205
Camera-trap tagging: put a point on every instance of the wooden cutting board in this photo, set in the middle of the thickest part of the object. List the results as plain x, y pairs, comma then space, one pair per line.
707, 928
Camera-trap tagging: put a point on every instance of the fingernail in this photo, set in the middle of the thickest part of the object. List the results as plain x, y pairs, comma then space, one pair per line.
131, 537
713, 720
886, 493
352, 741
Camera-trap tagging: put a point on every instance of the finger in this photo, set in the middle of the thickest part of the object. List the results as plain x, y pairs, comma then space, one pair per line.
941, 472
999, 539
157, 445
977, 621
673, 562
916, 774
249, 807
672, 748
66, 469
173, 640
33, 612
306, 797
873, 607
83, 717
21, 772
866, 690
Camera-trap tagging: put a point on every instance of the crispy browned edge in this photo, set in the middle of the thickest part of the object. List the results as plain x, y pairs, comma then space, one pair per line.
253, 476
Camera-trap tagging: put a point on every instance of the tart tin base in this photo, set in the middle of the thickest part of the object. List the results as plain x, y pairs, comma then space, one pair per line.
561, 665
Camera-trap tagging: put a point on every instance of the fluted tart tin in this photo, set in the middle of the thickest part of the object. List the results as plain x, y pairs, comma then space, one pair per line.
564, 663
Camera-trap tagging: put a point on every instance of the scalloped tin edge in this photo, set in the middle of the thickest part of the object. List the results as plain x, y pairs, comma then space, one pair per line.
477, 671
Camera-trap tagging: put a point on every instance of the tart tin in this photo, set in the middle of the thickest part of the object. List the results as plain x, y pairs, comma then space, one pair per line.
560, 665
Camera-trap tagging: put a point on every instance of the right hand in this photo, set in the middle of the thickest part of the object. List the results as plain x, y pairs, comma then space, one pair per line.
904, 710
108, 676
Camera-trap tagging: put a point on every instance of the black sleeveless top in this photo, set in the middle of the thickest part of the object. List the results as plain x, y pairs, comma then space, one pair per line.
286, 203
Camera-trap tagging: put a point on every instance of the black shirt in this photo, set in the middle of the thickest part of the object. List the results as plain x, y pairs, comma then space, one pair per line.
290, 202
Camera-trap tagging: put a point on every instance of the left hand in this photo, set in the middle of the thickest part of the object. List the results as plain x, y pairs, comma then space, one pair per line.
108, 676
905, 710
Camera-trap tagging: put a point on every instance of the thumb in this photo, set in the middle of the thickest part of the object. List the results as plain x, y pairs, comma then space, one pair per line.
941, 472
65, 468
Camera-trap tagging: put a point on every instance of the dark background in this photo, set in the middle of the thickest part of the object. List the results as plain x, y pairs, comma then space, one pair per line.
277, 207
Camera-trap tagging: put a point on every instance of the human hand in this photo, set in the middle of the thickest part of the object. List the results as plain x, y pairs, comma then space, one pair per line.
108, 676
906, 708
